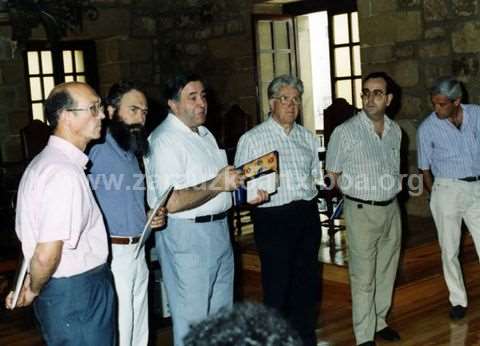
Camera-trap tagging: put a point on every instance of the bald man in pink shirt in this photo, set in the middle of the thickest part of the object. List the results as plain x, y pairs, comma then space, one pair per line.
61, 228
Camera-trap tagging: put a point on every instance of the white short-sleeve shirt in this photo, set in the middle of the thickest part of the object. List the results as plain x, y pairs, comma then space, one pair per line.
182, 158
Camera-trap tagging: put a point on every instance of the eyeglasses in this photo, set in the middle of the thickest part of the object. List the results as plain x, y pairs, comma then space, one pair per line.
377, 93
285, 100
135, 109
94, 109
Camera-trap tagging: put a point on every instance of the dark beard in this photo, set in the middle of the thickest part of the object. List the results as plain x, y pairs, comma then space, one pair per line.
129, 137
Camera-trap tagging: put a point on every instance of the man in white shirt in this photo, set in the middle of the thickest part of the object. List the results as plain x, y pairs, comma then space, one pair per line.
287, 227
363, 156
194, 249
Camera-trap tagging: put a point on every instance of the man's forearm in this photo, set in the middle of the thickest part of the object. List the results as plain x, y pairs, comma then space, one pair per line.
192, 197
427, 179
44, 262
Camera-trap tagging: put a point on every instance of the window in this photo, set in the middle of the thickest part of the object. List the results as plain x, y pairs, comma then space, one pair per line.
40, 80
275, 54
345, 49
74, 65
73, 61
321, 46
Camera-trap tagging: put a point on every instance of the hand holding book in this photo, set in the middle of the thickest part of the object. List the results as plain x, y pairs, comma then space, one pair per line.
22, 294
261, 179
158, 220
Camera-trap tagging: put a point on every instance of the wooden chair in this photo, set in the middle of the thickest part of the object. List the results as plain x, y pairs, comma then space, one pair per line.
334, 115
34, 138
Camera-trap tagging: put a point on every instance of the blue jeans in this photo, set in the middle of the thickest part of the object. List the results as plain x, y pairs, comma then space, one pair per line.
78, 310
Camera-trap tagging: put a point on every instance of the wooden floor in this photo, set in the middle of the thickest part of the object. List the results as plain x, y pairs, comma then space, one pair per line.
419, 313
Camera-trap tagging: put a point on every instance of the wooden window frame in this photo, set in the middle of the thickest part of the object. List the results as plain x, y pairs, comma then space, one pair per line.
352, 77
291, 51
90, 63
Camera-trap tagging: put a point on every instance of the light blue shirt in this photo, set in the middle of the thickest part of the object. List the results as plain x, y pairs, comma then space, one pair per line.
119, 187
447, 151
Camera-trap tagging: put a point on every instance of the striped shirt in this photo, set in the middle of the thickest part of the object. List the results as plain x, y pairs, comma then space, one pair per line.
369, 165
298, 158
447, 151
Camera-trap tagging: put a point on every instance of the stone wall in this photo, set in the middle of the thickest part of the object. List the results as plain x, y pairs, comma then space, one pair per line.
147, 41
214, 39
416, 42
124, 34
13, 100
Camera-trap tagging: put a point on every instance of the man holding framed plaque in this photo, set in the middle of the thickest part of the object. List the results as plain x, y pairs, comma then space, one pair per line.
287, 226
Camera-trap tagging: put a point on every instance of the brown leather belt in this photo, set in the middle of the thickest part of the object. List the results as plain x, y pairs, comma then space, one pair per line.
124, 240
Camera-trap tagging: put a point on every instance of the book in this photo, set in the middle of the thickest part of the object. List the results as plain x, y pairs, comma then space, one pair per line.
147, 229
19, 281
337, 210
261, 173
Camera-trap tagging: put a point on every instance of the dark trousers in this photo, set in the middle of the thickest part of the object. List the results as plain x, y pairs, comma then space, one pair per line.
288, 240
78, 310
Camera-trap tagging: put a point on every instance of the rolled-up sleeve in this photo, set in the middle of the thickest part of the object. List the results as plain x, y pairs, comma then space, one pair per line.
335, 159
424, 149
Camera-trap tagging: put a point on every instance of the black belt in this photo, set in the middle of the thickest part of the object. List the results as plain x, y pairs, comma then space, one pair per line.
210, 218
470, 179
377, 203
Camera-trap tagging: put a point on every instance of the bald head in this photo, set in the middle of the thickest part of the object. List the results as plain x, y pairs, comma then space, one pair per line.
63, 96
75, 112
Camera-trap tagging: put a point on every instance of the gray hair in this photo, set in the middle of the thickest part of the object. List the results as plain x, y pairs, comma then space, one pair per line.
284, 80
447, 86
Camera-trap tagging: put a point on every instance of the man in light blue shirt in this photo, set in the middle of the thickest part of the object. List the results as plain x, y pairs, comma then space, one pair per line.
449, 157
119, 187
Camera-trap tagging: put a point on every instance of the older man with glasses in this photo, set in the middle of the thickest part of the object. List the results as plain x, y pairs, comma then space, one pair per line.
61, 228
363, 157
287, 227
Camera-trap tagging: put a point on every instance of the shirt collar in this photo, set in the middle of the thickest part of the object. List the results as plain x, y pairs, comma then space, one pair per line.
71, 151
277, 127
387, 122
180, 125
465, 120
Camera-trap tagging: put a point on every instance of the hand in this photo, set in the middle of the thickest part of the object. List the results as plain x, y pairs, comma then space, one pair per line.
228, 179
159, 218
25, 298
262, 196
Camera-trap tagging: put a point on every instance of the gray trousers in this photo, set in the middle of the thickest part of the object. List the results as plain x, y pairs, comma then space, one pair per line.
374, 238
197, 269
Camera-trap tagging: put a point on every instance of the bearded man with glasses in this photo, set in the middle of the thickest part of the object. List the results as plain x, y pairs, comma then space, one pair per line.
287, 227
363, 158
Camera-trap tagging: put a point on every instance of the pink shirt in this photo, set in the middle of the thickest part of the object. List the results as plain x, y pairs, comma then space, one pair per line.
55, 202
